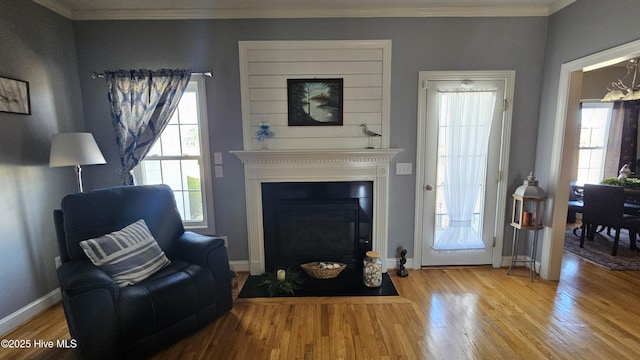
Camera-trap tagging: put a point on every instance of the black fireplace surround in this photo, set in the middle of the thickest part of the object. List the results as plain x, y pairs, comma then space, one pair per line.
316, 221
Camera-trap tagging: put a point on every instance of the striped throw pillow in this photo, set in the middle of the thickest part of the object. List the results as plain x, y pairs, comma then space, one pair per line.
129, 255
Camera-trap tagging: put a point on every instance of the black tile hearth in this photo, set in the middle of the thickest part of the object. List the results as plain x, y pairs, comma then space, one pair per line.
348, 283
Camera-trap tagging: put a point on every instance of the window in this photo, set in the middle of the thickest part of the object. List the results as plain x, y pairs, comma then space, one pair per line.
594, 133
180, 158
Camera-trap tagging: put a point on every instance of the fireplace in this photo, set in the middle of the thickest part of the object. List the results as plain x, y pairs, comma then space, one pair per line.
316, 221
262, 167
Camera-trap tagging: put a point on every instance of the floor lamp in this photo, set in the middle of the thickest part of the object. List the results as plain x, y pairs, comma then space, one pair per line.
75, 149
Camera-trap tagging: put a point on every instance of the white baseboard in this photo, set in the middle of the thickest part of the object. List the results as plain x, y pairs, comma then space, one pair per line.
28, 312
239, 265
506, 261
523, 260
394, 263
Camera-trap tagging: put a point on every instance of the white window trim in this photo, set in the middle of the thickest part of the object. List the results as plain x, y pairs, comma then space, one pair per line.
208, 223
602, 105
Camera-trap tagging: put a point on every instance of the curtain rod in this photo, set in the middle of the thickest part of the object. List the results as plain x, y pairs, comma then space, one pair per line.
462, 90
97, 75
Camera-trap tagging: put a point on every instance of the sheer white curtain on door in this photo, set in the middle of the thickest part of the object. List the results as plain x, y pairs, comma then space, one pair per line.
465, 123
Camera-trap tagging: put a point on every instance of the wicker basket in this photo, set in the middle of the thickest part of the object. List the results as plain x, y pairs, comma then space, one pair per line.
314, 271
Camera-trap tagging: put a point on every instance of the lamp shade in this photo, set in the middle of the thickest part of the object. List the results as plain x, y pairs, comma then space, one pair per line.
71, 149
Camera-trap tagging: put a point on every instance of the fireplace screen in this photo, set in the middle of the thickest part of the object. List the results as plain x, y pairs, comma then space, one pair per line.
312, 227
306, 222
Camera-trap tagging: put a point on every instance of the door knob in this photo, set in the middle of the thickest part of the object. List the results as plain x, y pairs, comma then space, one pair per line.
428, 187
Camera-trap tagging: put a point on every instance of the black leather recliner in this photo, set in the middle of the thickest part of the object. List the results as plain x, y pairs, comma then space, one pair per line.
111, 322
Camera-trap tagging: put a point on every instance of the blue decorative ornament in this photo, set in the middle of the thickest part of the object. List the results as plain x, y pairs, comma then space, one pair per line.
264, 132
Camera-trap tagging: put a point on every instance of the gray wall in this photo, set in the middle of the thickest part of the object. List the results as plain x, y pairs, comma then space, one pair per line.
37, 46
418, 44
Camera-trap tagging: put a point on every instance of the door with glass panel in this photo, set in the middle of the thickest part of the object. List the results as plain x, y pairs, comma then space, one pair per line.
463, 138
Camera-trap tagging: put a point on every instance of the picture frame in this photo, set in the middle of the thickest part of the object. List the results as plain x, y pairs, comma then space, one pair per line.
315, 102
14, 96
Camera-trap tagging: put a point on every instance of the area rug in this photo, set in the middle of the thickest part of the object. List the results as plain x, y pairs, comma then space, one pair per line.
348, 283
598, 251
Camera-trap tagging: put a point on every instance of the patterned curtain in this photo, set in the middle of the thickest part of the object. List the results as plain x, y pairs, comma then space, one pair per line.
142, 102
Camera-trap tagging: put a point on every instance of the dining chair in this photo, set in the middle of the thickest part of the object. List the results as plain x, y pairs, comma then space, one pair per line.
604, 205
575, 206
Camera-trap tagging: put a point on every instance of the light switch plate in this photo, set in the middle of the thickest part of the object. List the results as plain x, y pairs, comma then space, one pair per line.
217, 158
404, 168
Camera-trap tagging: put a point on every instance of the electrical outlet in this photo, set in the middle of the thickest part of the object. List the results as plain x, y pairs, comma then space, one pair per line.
57, 261
218, 171
226, 240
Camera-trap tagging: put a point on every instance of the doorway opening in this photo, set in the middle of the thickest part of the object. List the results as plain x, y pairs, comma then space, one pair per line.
564, 145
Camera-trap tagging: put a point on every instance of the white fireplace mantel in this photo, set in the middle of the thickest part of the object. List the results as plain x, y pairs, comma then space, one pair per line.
314, 165
316, 156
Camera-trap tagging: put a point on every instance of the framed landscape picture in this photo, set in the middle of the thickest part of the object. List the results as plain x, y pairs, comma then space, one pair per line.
315, 102
14, 96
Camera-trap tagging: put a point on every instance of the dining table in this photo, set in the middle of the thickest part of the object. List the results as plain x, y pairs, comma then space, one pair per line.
631, 205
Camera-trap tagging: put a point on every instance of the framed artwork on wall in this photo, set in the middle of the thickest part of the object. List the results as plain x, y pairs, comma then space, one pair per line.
315, 102
14, 96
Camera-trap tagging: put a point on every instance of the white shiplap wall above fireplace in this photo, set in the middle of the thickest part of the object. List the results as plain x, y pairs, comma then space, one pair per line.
365, 66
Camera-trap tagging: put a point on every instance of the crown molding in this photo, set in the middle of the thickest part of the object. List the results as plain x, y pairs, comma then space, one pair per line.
56, 7
291, 13
559, 5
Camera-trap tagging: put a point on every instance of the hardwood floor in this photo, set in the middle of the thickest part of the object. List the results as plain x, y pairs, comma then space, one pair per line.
445, 313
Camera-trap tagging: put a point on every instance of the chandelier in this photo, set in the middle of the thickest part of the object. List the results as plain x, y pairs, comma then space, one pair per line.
618, 90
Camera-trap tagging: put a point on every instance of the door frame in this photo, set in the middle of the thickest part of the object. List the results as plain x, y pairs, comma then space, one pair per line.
563, 148
508, 76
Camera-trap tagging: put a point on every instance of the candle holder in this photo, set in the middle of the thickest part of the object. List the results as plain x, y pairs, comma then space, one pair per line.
281, 282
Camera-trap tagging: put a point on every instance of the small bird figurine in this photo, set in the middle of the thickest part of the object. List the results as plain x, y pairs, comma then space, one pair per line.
624, 172
369, 133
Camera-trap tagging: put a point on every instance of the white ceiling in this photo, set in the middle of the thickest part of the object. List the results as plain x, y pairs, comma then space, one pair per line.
236, 9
